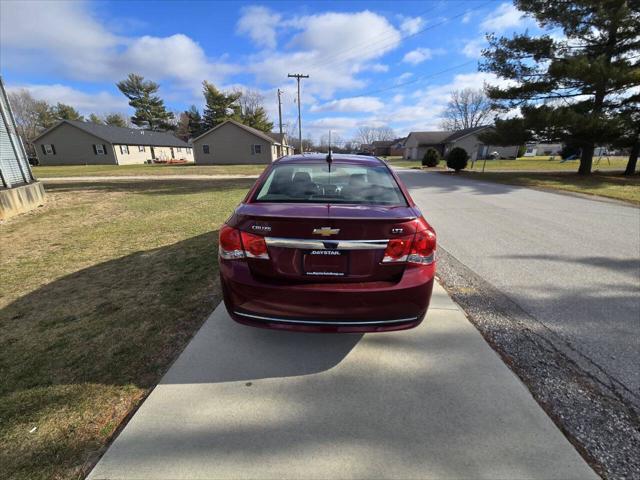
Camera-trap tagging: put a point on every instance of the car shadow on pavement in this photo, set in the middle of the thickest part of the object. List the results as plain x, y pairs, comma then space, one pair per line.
225, 351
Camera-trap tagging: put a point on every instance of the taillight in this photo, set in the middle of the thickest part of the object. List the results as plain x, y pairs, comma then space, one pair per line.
236, 244
423, 249
254, 245
230, 245
418, 248
397, 250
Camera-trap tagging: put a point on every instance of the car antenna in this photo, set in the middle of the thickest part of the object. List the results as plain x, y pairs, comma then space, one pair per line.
329, 157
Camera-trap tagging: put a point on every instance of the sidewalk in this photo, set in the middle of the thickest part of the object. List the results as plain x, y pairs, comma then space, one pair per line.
433, 402
111, 178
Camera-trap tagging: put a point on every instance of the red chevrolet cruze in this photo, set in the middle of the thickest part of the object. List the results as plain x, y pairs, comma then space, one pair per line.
328, 243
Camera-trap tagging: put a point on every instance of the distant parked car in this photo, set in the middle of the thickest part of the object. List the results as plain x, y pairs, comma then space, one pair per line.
328, 245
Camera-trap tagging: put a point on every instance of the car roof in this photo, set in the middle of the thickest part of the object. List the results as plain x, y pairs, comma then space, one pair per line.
336, 157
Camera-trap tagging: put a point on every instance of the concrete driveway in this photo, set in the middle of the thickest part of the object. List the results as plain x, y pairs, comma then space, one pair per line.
433, 402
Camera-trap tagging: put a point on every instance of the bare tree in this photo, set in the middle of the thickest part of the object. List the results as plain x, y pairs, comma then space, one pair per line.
367, 135
252, 111
336, 142
249, 100
467, 108
32, 116
385, 133
291, 130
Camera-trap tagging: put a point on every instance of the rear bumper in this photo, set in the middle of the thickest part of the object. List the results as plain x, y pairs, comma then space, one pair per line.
327, 307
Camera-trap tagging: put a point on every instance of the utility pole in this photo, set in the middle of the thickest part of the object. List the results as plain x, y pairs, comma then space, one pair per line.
298, 76
280, 111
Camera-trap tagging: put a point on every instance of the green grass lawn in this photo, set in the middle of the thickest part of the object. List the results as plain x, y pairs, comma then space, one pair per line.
540, 164
609, 184
160, 170
399, 162
105, 286
547, 164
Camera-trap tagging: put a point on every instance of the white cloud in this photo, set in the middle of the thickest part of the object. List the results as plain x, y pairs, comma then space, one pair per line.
379, 67
473, 48
417, 56
505, 16
403, 77
355, 104
189, 64
85, 103
331, 48
75, 45
259, 23
467, 17
411, 26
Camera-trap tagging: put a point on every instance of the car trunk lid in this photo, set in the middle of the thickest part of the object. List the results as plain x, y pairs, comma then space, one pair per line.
325, 242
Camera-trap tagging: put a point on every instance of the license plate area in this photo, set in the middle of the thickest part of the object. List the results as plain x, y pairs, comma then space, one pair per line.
325, 263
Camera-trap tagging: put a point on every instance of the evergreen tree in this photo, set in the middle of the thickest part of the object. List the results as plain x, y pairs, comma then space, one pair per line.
150, 112
44, 114
93, 118
116, 120
65, 112
195, 121
219, 106
252, 112
258, 119
182, 128
576, 84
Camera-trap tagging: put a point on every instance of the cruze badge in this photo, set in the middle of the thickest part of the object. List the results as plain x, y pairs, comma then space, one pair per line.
326, 231
261, 228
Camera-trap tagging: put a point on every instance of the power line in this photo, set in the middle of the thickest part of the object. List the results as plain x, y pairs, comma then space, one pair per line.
328, 60
417, 79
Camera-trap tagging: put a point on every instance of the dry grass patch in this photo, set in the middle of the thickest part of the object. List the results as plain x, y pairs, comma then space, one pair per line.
139, 170
107, 285
611, 185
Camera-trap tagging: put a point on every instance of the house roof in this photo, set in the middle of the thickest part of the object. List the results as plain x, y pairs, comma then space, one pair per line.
123, 136
458, 134
278, 137
430, 138
383, 143
434, 138
254, 131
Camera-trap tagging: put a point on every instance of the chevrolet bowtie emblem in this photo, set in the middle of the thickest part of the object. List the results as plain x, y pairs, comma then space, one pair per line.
326, 231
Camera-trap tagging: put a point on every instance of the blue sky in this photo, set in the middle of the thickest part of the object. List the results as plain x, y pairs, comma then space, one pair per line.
370, 63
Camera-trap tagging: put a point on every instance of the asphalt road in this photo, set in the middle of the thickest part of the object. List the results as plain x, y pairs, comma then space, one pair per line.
570, 262
431, 402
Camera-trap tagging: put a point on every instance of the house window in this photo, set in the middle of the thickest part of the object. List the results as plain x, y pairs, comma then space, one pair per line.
205, 149
49, 149
124, 149
99, 149
256, 149
141, 148
179, 149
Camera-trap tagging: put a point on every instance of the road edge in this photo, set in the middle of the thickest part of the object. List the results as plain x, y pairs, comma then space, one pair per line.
600, 422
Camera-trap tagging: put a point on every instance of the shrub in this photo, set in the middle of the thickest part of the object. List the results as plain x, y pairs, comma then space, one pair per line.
521, 150
457, 159
431, 158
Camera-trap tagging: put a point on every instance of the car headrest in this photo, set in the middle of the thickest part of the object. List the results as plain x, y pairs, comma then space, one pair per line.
356, 179
302, 177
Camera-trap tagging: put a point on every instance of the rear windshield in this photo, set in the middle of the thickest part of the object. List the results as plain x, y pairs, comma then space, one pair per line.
345, 183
